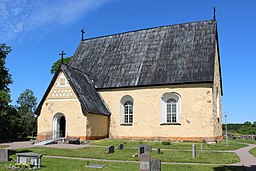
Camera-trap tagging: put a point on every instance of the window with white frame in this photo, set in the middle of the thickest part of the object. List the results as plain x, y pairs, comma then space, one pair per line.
171, 111
126, 110
170, 108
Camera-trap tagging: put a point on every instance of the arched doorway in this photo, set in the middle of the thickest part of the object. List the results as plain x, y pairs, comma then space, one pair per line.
59, 125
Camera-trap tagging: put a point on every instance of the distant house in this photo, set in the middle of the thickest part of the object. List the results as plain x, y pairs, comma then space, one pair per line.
157, 83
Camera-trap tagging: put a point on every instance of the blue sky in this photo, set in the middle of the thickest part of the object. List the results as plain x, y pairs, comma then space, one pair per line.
39, 30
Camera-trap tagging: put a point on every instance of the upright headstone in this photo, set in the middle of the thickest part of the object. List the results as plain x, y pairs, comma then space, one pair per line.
111, 149
4, 155
155, 165
145, 162
158, 151
193, 150
147, 148
201, 148
141, 150
120, 146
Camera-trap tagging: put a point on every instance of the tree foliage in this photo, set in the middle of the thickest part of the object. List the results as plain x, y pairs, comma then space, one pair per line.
5, 98
246, 128
26, 108
57, 64
5, 80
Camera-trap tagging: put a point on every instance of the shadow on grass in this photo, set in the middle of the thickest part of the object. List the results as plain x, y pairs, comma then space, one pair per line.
13, 152
235, 168
14, 140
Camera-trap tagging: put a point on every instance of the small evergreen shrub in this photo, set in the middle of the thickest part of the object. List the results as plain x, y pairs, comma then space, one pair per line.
166, 142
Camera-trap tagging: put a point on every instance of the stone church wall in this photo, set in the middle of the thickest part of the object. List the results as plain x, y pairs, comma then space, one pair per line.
217, 113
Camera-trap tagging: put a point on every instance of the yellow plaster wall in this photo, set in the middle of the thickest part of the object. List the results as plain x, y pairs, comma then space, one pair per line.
97, 126
195, 118
62, 99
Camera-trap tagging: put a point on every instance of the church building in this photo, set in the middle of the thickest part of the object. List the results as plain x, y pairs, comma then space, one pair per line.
161, 83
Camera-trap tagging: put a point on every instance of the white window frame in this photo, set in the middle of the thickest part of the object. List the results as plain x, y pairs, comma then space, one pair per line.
123, 101
163, 108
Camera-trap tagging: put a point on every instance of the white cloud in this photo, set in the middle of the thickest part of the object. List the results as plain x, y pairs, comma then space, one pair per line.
18, 17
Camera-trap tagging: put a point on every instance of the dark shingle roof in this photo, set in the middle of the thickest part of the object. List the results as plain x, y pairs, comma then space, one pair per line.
174, 54
91, 101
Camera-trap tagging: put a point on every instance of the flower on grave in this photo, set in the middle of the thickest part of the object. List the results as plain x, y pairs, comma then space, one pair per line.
135, 155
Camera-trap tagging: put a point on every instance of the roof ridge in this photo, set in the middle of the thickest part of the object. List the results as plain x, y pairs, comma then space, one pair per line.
77, 70
149, 28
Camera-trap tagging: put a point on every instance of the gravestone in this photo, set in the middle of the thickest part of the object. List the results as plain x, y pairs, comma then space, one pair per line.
4, 155
158, 151
141, 150
145, 162
96, 166
194, 150
111, 149
120, 146
155, 165
32, 158
201, 148
147, 148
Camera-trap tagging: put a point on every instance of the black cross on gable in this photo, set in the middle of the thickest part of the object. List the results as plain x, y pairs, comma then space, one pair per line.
82, 31
62, 55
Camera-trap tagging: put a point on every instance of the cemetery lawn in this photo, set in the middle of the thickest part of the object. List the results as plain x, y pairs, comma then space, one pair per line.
127, 153
245, 141
173, 145
51, 164
253, 151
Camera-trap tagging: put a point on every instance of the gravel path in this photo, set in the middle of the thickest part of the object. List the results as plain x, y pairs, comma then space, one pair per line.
18, 144
246, 159
27, 144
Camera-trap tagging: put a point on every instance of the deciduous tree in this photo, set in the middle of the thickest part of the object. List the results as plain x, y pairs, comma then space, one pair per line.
56, 64
26, 108
5, 98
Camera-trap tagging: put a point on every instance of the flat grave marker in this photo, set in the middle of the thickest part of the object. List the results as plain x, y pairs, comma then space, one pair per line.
96, 166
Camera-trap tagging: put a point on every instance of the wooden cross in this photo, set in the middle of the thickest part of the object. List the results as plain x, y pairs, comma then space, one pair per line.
82, 34
62, 55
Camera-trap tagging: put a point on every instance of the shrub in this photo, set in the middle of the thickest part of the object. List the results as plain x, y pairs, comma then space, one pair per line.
166, 142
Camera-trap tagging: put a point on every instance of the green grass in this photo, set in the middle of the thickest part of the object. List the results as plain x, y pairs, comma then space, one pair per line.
126, 154
253, 151
174, 145
3, 146
50, 164
244, 141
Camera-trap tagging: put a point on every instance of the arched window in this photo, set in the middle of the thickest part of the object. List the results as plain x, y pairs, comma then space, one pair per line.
126, 110
170, 108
